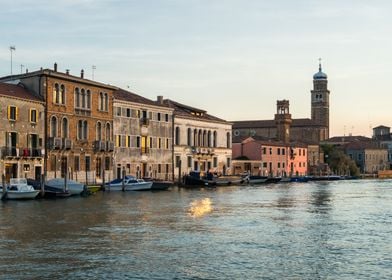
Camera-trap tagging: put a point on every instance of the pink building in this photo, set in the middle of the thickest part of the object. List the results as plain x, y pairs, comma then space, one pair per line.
266, 157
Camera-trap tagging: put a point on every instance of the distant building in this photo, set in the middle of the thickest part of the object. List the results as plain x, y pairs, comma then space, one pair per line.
311, 130
383, 135
369, 156
202, 142
143, 131
259, 156
22, 138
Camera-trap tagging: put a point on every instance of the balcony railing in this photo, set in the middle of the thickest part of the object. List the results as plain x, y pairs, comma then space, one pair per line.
55, 143
99, 146
30, 152
67, 144
10, 151
110, 146
144, 121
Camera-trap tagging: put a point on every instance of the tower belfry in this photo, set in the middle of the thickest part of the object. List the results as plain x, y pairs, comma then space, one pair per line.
283, 120
320, 102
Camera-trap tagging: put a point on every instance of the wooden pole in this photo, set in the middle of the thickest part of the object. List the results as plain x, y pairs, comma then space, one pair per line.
123, 179
179, 172
4, 194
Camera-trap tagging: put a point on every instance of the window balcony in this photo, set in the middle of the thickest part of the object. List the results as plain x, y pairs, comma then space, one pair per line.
9, 151
144, 121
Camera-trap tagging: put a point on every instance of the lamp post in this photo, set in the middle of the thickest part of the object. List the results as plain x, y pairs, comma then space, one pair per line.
12, 48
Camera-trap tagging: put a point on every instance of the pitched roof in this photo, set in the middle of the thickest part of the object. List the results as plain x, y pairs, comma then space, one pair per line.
17, 91
191, 112
361, 145
347, 139
124, 95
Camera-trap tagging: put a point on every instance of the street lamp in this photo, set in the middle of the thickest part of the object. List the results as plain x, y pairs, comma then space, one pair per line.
12, 48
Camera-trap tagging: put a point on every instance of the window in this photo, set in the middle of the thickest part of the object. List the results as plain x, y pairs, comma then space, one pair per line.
107, 163
270, 151
108, 133
178, 160
278, 164
98, 135
53, 126
128, 112
76, 163
159, 116
88, 163
228, 162
189, 137
215, 139
12, 113
64, 127
228, 140
264, 165
215, 162
88, 101
283, 151
278, 153
177, 136
33, 116
101, 101
159, 143
150, 142
77, 98
62, 95
209, 139
167, 143
118, 140
138, 141
106, 102
166, 117
118, 111
128, 141
56, 94
82, 130
189, 159
264, 150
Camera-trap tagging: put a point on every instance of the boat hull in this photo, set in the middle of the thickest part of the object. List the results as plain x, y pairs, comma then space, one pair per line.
139, 186
22, 194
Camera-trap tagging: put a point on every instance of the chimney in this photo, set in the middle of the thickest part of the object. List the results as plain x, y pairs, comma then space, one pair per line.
82, 74
67, 71
55, 67
160, 99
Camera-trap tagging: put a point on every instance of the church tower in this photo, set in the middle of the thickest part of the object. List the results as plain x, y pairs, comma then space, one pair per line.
283, 121
320, 102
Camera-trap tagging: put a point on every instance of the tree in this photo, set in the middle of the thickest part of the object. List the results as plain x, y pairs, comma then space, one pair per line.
338, 161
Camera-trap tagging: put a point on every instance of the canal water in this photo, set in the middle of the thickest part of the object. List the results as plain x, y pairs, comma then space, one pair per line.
325, 230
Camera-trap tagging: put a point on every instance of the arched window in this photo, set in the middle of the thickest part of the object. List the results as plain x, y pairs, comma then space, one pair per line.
85, 130
228, 140
108, 132
62, 95
189, 139
64, 128
209, 139
83, 94
53, 126
77, 98
195, 138
177, 136
98, 135
106, 102
56, 93
100, 105
88, 97
215, 139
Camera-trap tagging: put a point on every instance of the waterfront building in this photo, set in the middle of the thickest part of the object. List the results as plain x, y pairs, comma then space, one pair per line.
202, 142
78, 121
143, 131
382, 134
22, 132
369, 156
261, 156
303, 130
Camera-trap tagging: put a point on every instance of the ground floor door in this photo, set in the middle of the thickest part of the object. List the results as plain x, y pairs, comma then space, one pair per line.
11, 171
37, 173
119, 172
144, 170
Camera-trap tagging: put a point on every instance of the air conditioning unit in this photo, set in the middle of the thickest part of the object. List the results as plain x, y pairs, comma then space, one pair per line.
55, 143
110, 146
67, 143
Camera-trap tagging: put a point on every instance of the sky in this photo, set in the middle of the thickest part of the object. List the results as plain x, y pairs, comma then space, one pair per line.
232, 58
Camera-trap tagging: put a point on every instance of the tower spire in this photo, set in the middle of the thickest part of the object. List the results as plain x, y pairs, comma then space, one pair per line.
319, 64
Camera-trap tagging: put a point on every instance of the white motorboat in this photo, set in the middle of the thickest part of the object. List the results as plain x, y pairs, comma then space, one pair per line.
130, 184
73, 187
19, 189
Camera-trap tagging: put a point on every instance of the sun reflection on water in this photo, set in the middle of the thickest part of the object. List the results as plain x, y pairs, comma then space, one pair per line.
199, 208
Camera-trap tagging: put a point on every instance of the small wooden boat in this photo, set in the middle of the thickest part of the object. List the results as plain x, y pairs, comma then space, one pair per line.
94, 188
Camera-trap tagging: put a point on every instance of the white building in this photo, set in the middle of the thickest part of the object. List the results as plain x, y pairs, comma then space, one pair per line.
201, 142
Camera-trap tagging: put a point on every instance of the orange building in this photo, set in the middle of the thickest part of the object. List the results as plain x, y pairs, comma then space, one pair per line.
259, 156
78, 121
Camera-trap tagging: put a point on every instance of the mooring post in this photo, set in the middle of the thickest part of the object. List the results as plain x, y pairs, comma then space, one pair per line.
123, 179
4, 194
179, 172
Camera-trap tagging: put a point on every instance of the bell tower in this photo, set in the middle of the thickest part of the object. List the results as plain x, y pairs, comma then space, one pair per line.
283, 120
320, 102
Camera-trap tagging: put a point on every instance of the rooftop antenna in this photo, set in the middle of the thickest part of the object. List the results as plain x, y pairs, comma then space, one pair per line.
12, 48
93, 68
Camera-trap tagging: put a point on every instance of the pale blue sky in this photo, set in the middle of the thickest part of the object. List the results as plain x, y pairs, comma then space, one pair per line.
232, 58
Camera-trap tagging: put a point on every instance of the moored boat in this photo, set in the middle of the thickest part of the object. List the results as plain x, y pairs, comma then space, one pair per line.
130, 184
73, 187
19, 189
228, 180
